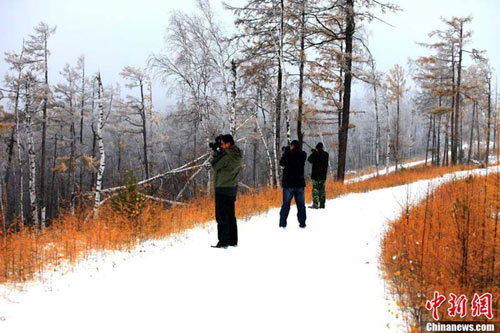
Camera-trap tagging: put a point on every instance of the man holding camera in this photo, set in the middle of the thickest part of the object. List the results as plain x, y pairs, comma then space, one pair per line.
293, 161
226, 162
319, 161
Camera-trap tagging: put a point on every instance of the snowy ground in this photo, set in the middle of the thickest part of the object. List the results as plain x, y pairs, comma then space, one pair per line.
324, 278
383, 171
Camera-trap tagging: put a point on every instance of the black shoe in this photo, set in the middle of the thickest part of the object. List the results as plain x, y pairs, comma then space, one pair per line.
219, 246
302, 225
321, 207
235, 245
313, 207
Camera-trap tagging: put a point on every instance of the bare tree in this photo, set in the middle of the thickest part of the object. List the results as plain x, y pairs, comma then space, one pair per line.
38, 52
137, 78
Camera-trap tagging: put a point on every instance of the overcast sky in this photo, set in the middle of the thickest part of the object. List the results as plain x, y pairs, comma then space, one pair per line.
117, 33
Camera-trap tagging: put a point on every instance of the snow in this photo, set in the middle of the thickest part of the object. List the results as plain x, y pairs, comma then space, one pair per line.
382, 171
324, 278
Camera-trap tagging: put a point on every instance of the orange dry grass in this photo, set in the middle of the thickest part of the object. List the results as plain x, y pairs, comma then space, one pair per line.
27, 254
447, 243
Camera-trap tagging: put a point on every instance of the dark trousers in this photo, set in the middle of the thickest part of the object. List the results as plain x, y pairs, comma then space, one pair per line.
227, 229
288, 194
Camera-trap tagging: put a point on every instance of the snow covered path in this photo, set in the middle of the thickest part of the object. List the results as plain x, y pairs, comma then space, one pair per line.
324, 278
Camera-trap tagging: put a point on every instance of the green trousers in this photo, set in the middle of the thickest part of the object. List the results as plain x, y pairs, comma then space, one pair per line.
318, 193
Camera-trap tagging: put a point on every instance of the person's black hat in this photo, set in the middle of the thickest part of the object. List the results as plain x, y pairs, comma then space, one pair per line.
295, 143
228, 138
319, 145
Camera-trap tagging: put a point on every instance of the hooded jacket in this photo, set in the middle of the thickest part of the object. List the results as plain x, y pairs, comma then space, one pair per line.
227, 165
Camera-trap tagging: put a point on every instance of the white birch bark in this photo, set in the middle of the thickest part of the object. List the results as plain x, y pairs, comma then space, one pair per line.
287, 109
100, 123
388, 144
31, 155
275, 155
377, 124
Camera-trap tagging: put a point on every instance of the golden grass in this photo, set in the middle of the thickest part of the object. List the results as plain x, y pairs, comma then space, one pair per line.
26, 254
448, 243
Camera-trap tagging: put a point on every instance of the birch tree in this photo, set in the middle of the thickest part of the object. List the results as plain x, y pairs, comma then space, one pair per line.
17, 63
100, 142
38, 52
29, 111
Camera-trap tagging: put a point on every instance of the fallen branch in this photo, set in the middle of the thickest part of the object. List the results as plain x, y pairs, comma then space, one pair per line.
163, 200
160, 176
191, 178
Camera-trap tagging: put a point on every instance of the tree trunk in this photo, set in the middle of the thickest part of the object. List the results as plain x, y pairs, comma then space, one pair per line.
446, 141
388, 140
269, 158
377, 124
471, 132
53, 195
82, 107
453, 138
438, 155
433, 139
428, 140
3, 208
232, 122
478, 134
144, 130
488, 127
100, 124
31, 157
19, 156
396, 150
457, 95
44, 130
287, 111
10, 154
347, 90
300, 135
254, 161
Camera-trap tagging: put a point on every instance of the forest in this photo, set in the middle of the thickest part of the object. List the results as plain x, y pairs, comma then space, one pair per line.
287, 72
88, 164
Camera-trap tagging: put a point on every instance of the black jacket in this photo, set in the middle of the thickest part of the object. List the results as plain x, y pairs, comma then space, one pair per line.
293, 173
319, 161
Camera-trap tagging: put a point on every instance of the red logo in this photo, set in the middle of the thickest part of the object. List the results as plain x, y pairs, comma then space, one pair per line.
481, 305
457, 305
434, 304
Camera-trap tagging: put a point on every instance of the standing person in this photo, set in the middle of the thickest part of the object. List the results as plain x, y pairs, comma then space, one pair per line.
226, 163
293, 161
319, 161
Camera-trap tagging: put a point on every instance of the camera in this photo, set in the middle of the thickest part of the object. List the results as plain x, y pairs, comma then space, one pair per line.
285, 148
217, 144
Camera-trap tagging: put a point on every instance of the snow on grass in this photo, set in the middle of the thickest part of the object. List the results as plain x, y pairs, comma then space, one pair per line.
324, 278
383, 171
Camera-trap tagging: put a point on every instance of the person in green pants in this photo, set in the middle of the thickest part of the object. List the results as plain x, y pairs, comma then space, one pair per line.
319, 161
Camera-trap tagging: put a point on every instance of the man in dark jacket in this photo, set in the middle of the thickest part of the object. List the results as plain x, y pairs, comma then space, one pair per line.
293, 161
319, 161
226, 163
